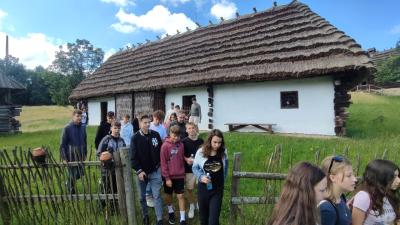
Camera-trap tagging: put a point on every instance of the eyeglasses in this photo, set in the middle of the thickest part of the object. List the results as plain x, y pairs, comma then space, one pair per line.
334, 159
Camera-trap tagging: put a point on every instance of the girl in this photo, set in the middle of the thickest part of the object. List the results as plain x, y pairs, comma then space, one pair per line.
341, 180
210, 168
376, 201
171, 118
305, 186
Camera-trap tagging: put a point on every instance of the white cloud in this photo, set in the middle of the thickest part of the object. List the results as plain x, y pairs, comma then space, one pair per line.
123, 28
120, 3
395, 29
175, 2
32, 50
109, 53
159, 19
224, 9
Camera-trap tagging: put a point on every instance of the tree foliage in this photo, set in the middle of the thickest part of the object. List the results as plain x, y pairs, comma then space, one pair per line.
388, 70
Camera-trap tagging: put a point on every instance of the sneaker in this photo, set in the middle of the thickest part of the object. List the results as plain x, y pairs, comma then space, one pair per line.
191, 211
150, 201
171, 218
183, 222
159, 222
146, 220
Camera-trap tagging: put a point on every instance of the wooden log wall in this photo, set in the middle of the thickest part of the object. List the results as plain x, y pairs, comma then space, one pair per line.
144, 102
8, 123
210, 92
123, 105
341, 102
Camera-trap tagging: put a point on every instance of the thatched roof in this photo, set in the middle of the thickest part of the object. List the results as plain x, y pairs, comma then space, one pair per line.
284, 42
9, 83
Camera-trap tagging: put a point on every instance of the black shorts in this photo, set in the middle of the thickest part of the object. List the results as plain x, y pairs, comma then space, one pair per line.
178, 186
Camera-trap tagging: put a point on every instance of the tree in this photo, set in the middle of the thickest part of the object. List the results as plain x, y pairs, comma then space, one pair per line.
80, 58
75, 63
388, 70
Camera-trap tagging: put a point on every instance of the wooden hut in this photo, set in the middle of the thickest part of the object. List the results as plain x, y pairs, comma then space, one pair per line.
8, 111
286, 66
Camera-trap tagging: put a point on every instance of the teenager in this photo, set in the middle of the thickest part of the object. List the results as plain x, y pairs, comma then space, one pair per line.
210, 168
126, 130
173, 172
145, 155
104, 128
341, 180
169, 112
191, 144
305, 186
171, 119
157, 124
73, 148
110, 143
180, 122
376, 201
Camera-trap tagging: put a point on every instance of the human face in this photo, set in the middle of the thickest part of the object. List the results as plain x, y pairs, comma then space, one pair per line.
126, 120
145, 125
173, 138
110, 119
172, 117
396, 181
345, 180
77, 119
191, 130
320, 190
156, 121
115, 131
181, 117
216, 143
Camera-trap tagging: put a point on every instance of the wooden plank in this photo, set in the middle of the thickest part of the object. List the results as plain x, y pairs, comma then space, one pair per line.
253, 200
120, 186
130, 196
51, 165
258, 175
235, 186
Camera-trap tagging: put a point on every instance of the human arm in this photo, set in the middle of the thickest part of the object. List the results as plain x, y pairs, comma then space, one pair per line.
64, 144
361, 206
197, 169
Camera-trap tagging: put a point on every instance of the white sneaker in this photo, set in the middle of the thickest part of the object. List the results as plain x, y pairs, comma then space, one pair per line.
150, 201
191, 211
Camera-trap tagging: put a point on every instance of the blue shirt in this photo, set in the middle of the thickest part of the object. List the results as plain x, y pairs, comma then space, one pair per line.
160, 129
329, 215
126, 132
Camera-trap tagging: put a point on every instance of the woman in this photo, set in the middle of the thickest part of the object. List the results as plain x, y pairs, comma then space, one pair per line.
341, 180
304, 187
210, 168
376, 201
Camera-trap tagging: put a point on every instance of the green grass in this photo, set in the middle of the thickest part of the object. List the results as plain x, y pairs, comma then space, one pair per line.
373, 127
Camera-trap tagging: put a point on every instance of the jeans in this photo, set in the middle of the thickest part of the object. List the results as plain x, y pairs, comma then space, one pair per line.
155, 183
210, 203
74, 173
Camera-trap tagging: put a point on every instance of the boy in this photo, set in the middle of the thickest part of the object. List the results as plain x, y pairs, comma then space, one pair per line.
191, 144
126, 130
173, 172
104, 128
145, 156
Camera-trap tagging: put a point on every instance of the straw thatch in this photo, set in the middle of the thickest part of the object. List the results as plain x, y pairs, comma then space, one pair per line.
284, 42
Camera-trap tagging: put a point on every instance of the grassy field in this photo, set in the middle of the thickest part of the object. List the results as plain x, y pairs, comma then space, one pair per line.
373, 128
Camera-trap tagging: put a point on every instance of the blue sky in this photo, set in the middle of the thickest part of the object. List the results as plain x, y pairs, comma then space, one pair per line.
37, 27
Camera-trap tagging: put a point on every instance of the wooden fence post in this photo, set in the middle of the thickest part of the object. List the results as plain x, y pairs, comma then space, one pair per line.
4, 209
235, 186
120, 186
130, 197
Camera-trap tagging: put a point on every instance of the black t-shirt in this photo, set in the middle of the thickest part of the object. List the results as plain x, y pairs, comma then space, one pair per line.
191, 148
214, 167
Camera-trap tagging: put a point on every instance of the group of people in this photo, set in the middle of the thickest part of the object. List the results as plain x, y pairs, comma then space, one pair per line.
170, 156
315, 195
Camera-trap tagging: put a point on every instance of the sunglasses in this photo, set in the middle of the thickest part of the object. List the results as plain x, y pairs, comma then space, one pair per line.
334, 159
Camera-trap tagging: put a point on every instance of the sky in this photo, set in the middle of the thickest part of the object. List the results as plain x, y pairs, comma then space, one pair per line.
37, 28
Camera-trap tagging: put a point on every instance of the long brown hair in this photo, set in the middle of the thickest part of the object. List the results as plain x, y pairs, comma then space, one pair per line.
207, 146
377, 182
297, 204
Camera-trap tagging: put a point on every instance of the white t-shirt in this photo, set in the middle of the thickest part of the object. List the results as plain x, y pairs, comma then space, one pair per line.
362, 201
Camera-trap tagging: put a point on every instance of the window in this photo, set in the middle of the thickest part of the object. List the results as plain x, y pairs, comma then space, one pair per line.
289, 100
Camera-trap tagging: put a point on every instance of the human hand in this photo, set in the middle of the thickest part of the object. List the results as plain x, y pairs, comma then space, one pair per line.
168, 183
142, 176
204, 179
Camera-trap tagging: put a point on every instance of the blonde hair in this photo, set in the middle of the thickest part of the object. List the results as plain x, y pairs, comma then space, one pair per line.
336, 168
193, 125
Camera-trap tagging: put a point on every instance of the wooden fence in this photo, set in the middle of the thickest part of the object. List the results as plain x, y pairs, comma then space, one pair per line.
33, 193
